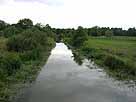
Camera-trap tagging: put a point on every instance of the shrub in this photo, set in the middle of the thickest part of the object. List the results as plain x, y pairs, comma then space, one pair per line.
88, 50
31, 55
28, 40
122, 68
10, 62
50, 42
130, 68
78, 58
114, 62
79, 37
94, 54
10, 31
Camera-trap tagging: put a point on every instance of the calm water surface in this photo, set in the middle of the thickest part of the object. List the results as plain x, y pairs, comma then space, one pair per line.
62, 80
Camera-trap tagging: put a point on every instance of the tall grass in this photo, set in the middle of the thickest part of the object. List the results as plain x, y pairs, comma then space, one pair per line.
115, 54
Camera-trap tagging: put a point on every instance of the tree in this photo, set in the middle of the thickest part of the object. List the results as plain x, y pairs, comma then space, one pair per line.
99, 31
79, 37
10, 63
39, 26
25, 23
10, 31
131, 32
48, 30
109, 33
28, 40
93, 31
3, 25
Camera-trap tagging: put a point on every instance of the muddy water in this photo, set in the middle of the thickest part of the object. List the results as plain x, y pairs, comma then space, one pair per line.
62, 80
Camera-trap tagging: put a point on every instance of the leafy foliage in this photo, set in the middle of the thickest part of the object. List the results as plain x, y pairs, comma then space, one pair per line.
25, 23
79, 37
3, 25
28, 40
10, 31
23, 49
10, 63
114, 62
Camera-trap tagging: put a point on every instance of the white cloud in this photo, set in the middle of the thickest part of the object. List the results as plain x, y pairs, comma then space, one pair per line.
3, 2
71, 13
47, 2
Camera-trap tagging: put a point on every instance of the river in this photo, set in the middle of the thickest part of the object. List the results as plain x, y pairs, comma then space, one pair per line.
63, 80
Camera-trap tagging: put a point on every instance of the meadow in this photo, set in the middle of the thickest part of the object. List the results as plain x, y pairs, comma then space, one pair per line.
117, 54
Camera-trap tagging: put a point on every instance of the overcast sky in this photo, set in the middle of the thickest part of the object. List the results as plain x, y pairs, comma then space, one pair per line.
71, 13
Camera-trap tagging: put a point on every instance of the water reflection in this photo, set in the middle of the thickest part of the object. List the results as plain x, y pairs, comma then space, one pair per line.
62, 80
80, 60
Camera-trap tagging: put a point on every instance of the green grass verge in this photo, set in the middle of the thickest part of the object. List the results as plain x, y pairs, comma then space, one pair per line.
116, 55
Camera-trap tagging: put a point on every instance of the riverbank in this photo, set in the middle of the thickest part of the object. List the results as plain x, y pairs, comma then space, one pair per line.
117, 56
63, 80
28, 65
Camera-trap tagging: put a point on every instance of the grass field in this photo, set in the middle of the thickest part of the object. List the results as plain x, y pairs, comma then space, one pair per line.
122, 48
117, 54
126, 38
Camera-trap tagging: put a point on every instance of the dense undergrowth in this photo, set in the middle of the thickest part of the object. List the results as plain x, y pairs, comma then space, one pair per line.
23, 51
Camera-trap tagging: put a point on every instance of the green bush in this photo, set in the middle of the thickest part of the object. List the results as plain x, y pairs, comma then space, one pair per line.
28, 40
114, 62
31, 55
88, 52
10, 31
78, 58
79, 37
122, 68
9, 63
130, 68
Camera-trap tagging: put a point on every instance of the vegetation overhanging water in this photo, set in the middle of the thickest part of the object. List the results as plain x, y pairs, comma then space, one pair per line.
24, 47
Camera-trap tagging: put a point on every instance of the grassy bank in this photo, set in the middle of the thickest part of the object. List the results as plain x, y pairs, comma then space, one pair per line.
116, 55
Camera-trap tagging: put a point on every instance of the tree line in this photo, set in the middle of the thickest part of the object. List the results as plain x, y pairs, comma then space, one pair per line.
79, 35
99, 31
8, 30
